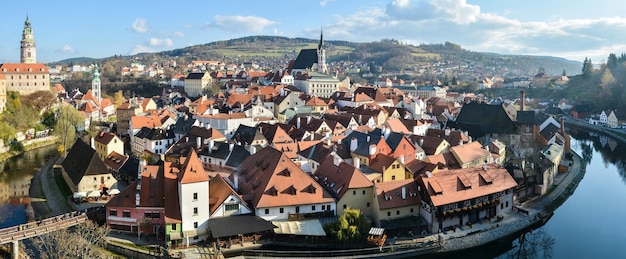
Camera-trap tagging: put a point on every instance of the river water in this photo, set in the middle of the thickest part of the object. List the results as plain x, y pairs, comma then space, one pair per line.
587, 225
15, 176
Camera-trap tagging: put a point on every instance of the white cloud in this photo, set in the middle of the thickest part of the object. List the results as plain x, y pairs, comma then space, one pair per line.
241, 24
179, 34
140, 25
438, 21
67, 49
325, 2
155, 42
141, 49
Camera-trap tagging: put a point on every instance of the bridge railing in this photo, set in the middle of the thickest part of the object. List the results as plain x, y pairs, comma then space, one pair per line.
32, 229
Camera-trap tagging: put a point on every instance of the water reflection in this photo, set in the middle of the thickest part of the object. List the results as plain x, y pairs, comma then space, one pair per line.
15, 176
612, 151
533, 244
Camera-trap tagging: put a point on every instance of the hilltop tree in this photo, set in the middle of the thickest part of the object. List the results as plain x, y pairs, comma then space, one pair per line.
587, 69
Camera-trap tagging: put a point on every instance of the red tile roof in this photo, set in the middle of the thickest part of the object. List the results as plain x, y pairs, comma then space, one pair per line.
270, 179
443, 187
390, 194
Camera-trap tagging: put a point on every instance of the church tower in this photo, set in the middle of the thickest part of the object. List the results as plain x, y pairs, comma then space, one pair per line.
321, 55
95, 85
27, 45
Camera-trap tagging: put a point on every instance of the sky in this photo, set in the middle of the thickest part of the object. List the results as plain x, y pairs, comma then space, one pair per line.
67, 29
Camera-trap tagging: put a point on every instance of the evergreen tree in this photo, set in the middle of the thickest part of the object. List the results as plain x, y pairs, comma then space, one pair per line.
587, 68
611, 61
564, 74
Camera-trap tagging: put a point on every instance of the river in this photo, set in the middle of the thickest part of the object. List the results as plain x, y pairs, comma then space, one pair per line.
15, 176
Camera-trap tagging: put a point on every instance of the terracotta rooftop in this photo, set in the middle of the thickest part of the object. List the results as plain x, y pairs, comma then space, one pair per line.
397, 194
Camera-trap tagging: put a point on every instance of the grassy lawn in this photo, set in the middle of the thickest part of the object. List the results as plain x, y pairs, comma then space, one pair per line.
65, 190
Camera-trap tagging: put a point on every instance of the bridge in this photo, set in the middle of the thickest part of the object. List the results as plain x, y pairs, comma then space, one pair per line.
25, 231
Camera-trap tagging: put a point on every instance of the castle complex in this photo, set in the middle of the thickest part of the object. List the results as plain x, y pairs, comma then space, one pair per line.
28, 76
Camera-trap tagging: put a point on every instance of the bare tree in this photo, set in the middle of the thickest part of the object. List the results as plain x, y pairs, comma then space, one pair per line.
82, 241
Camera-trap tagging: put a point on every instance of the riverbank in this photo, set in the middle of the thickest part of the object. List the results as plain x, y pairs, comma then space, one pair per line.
46, 198
617, 134
29, 145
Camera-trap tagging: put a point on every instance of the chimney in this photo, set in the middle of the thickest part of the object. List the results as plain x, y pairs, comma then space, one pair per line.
421, 142
328, 139
404, 192
354, 144
211, 144
401, 158
336, 160
416, 130
522, 99
231, 146
198, 142
356, 162
562, 126
236, 180
368, 139
308, 119
339, 141
447, 132
298, 123
208, 126
372, 150
252, 150
92, 143
428, 174
312, 136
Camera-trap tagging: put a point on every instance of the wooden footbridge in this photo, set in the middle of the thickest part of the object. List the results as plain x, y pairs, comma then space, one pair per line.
24, 231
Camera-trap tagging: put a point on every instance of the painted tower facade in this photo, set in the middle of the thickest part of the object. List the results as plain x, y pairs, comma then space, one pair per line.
28, 46
95, 85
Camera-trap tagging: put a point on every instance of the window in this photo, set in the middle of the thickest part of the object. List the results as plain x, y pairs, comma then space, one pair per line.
388, 213
267, 211
345, 206
195, 196
113, 213
393, 177
126, 214
323, 207
195, 211
297, 209
232, 207
195, 225
411, 210
313, 208
368, 204
353, 192
173, 226
507, 204
152, 215
363, 192
501, 205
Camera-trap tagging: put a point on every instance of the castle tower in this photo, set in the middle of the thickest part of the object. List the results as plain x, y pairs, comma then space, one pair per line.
321, 55
27, 45
95, 85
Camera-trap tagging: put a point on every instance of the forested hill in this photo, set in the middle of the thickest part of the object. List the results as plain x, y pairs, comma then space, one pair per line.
390, 55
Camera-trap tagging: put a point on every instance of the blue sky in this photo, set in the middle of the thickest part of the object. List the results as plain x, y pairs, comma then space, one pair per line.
66, 29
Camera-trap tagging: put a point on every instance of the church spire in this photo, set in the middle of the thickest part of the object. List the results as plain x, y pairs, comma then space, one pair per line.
28, 47
321, 54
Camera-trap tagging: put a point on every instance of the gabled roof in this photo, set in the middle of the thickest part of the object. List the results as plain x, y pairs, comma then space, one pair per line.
246, 135
382, 162
195, 76
481, 118
192, 170
306, 58
340, 178
270, 179
444, 188
454, 137
104, 137
274, 133
219, 191
526, 117
469, 152
428, 144
171, 201
390, 194
316, 152
82, 160
549, 131
364, 140
154, 134
396, 125
115, 161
